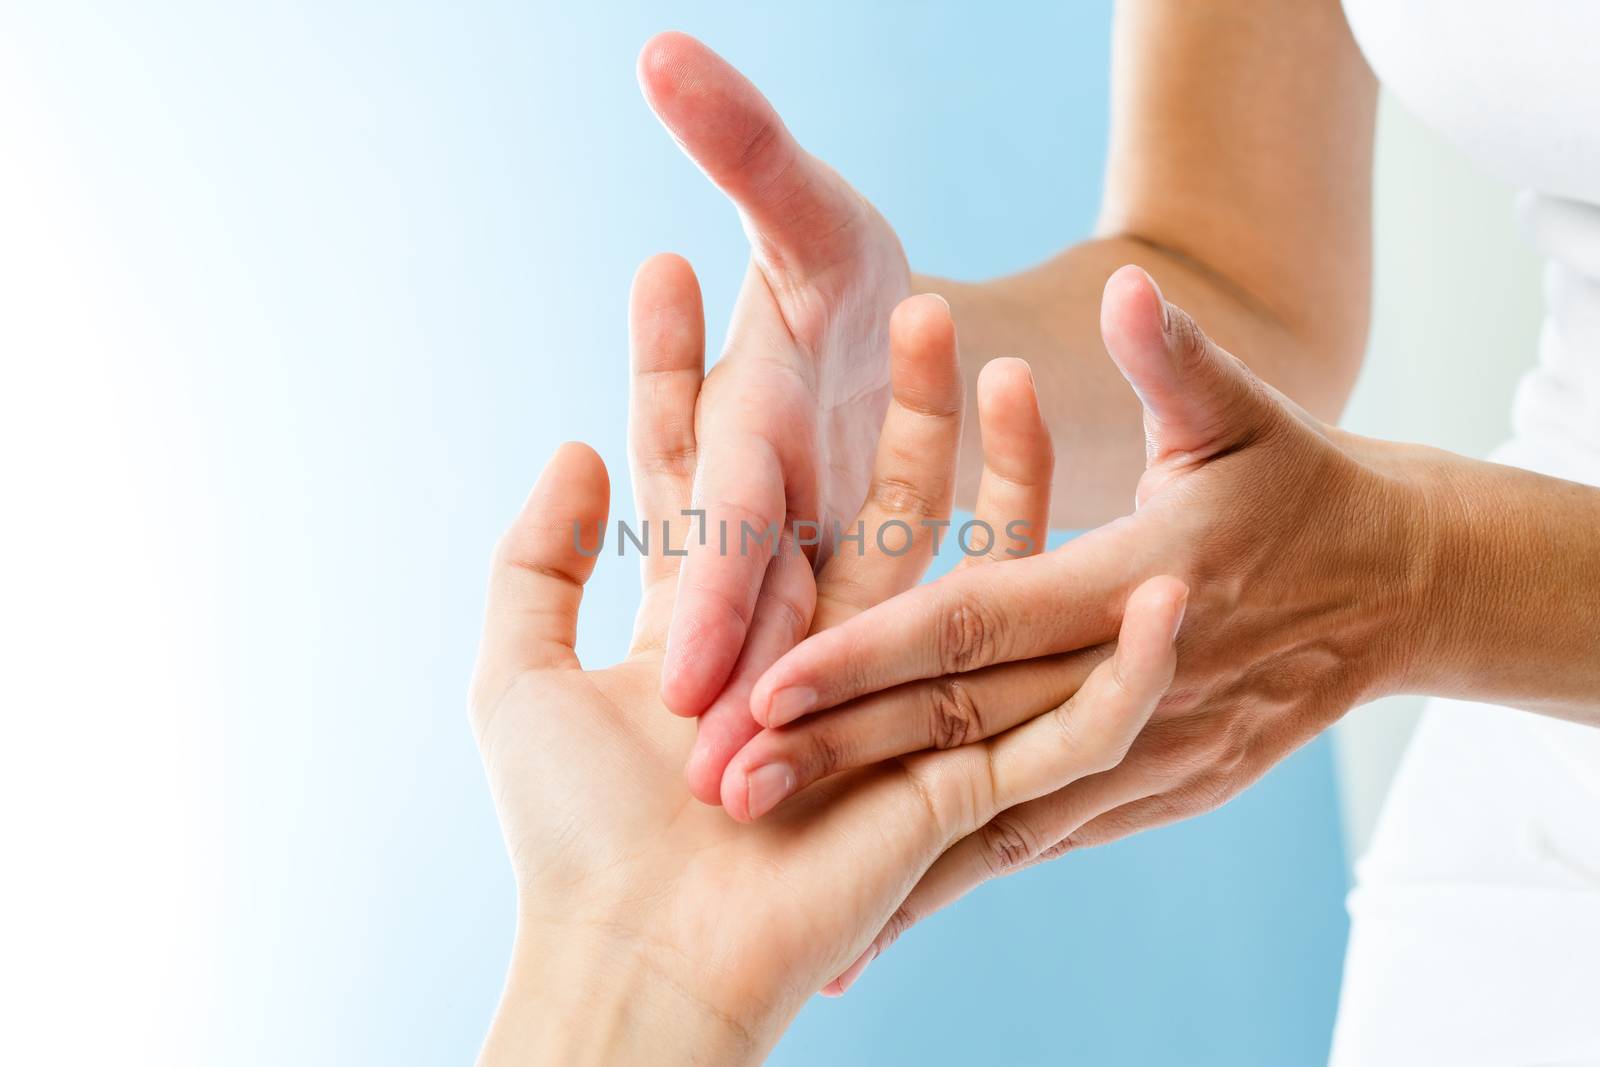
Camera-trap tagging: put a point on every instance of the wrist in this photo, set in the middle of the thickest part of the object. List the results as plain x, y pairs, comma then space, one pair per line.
1501, 580
577, 993
1405, 554
1450, 542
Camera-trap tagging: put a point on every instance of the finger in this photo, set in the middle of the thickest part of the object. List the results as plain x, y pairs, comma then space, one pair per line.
1198, 399
739, 489
1038, 830
782, 616
1139, 814
1062, 600
913, 478
1029, 833
540, 565
801, 212
913, 485
938, 713
749, 483
1201, 793
1087, 736
961, 790
1093, 729
1013, 504
666, 329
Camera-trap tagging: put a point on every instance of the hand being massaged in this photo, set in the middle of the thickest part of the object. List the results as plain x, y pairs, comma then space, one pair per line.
629, 946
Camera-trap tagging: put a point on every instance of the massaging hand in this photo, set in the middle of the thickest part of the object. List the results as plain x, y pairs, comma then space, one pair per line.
1294, 544
791, 412
654, 929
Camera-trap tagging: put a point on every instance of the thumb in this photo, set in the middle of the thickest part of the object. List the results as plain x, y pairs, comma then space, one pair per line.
1198, 400
797, 209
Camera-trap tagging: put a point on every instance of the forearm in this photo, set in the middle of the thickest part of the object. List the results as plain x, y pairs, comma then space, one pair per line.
1239, 175
1050, 316
573, 1000
1510, 574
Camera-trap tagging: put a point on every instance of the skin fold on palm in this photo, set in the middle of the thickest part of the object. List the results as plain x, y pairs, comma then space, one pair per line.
628, 887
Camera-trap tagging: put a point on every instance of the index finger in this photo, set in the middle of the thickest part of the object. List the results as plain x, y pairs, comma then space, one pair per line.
1066, 599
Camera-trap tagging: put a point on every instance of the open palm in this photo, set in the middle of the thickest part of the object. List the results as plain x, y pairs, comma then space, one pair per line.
605, 840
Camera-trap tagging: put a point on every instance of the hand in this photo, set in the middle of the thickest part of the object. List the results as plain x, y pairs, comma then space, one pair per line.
1299, 546
654, 929
790, 414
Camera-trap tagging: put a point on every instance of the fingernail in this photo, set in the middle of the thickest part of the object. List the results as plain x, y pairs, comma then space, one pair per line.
1177, 620
853, 975
789, 704
1166, 316
765, 787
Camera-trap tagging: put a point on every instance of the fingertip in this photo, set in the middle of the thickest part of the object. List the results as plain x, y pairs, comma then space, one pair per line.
725, 731
733, 801
1131, 282
1005, 373
579, 456
734, 793
757, 778
701, 774
574, 482
841, 985
666, 316
1007, 393
923, 322
701, 651
1133, 310
1156, 608
661, 62
684, 689
796, 683
1016, 440
761, 696
924, 370
665, 271
1178, 608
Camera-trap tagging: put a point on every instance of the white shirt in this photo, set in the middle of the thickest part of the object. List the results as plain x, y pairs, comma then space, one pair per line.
1475, 924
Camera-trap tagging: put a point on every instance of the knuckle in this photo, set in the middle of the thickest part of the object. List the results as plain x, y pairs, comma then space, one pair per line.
1057, 850
1092, 748
1007, 843
897, 496
1175, 749
787, 612
755, 142
1189, 342
1219, 784
1125, 690
953, 714
825, 752
673, 455
902, 920
1230, 755
1205, 794
968, 637
952, 790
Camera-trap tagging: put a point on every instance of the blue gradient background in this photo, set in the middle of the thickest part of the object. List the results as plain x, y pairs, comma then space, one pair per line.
380, 254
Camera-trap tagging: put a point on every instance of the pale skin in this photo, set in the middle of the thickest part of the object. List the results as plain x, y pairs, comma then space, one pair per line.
1239, 163
1328, 569
652, 928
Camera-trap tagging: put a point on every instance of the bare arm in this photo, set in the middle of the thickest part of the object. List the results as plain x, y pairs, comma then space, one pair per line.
1239, 175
